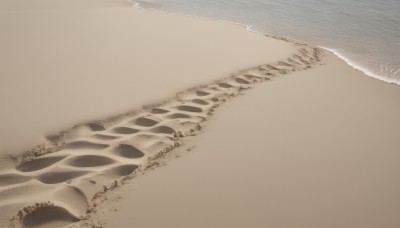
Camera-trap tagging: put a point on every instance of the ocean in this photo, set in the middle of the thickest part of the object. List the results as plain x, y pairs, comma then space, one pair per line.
365, 33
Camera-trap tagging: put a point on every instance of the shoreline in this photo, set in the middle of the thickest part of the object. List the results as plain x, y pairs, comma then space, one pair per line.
79, 168
348, 61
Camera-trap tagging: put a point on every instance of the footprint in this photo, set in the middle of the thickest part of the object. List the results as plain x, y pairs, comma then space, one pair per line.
89, 161
85, 145
215, 99
145, 122
200, 102
124, 130
96, 127
202, 93
241, 81
128, 151
188, 108
104, 137
163, 130
178, 116
120, 171
224, 85
159, 111
39, 163
56, 177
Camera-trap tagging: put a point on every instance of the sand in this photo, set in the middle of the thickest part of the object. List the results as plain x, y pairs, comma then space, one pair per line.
318, 148
68, 62
133, 89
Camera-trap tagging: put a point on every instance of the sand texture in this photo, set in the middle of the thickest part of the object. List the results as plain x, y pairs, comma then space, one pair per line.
58, 183
315, 148
69, 62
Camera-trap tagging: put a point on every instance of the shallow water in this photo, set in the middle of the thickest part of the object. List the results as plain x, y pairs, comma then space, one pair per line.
364, 33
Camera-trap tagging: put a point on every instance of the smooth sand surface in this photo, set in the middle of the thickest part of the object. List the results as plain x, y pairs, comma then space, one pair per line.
317, 148
67, 62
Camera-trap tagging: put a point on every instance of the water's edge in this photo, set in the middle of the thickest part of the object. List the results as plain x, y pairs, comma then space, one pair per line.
249, 28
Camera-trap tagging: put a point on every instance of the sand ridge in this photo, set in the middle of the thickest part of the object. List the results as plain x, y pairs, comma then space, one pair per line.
56, 184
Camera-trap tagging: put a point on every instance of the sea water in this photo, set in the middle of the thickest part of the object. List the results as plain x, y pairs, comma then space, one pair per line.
365, 33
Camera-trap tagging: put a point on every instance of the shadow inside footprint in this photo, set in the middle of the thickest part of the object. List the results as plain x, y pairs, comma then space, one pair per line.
188, 108
120, 171
124, 130
89, 161
59, 176
242, 81
200, 102
128, 151
159, 111
224, 85
145, 122
85, 145
38, 163
178, 116
163, 130
104, 137
202, 93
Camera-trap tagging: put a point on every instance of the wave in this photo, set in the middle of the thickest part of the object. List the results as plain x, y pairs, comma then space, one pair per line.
353, 64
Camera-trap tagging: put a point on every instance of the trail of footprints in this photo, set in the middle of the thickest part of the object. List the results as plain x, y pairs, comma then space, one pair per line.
64, 182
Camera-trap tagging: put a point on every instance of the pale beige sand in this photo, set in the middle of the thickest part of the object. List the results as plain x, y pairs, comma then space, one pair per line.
67, 62
98, 67
318, 148
67, 180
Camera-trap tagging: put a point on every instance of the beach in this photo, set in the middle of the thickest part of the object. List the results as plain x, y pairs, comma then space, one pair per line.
306, 151
115, 117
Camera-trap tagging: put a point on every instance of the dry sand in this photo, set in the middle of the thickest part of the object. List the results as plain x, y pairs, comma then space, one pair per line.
67, 62
318, 148
276, 158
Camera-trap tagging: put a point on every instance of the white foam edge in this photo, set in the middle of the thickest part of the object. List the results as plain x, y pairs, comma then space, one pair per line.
361, 68
249, 28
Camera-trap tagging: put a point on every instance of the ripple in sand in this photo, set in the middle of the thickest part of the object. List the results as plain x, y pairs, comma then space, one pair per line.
10, 179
